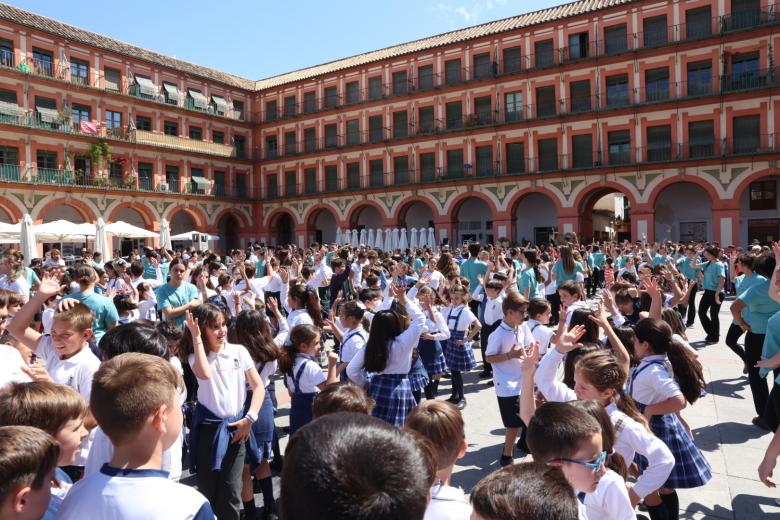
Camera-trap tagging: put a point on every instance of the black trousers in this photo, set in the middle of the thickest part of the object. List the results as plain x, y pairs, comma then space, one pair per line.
555, 304
222, 488
754, 343
708, 315
596, 281
772, 411
732, 336
486, 331
692, 306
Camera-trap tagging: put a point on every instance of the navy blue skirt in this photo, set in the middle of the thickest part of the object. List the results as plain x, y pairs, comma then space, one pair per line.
300, 410
393, 396
459, 357
418, 376
432, 357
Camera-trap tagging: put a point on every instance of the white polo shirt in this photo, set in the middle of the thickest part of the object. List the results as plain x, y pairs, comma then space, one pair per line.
447, 503
310, 377
11, 363
225, 391
610, 500
508, 375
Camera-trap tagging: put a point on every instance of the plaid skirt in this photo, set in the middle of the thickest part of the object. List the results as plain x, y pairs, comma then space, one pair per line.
393, 396
418, 376
459, 357
691, 469
432, 356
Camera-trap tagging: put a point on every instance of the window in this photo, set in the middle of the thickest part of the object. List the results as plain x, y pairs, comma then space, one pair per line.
425, 77
141, 123
515, 158
196, 100
513, 106
545, 101
309, 139
400, 124
172, 178
579, 92
512, 60
46, 111
6, 53
271, 110
353, 176
544, 53
171, 93
617, 90
145, 176
484, 155
615, 39
290, 184
79, 71
699, 78
455, 164
401, 169
112, 79
113, 122
582, 151
763, 195
331, 97
745, 73
271, 147
331, 136
655, 32
272, 186
482, 66
241, 185
701, 138
353, 132
619, 147
196, 132
376, 173
375, 130
331, 178
220, 189
238, 113
426, 121
43, 62
46, 159
375, 87
115, 173
289, 106
746, 132
239, 144
454, 114
218, 136
310, 180
427, 166
745, 13
309, 102
659, 143
578, 46
657, 84
483, 110
400, 85
452, 72
81, 113
698, 23
548, 154
290, 146
170, 128
9, 163
353, 92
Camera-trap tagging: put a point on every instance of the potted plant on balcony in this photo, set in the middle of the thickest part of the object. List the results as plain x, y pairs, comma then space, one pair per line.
100, 154
64, 117
130, 182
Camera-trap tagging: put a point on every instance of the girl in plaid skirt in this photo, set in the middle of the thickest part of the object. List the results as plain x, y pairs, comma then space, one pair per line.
434, 331
463, 326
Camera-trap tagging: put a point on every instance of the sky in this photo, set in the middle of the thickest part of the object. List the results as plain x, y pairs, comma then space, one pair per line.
257, 39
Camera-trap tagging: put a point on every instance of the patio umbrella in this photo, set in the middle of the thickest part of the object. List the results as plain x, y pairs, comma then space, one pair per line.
363, 236
431, 238
378, 242
27, 243
64, 231
165, 234
388, 240
187, 235
345, 237
338, 236
403, 243
370, 239
101, 242
122, 229
413, 239
355, 240
395, 239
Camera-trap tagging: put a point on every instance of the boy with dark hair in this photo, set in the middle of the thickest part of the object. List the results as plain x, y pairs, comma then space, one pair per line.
348, 466
526, 491
136, 404
28, 457
571, 298
342, 397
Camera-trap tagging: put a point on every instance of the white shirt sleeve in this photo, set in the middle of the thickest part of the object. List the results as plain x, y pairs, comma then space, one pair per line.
441, 324
284, 331
659, 457
283, 296
355, 368
616, 501
411, 336
547, 382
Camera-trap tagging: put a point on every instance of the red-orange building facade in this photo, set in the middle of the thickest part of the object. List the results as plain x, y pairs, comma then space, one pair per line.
511, 130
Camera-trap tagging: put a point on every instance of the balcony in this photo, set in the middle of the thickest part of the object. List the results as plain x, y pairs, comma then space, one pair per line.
747, 80
745, 19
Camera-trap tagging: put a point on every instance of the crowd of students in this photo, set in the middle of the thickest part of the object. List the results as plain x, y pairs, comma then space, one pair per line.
115, 376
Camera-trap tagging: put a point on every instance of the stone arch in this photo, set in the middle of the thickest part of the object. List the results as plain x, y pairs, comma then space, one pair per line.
745, 182
692, 179
321, 224
482, 216
325, 205
281, 227
198, 217
148, 216
592, 222
759, 220
412, 211
680, 214
534, 215
228, 225
361, 208
243, 220
10, 210
453, 204
83, 208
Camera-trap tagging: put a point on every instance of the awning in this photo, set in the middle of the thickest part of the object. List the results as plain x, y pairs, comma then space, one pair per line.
201, 183
172, 91
48, 115
10, 109
222, 105
198, 99
147, 87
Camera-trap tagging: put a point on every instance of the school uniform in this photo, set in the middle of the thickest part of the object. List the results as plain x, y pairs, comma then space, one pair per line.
263, 428
353, 340
447, 503
691, 274
490, 316
610, 499
391, 388
458, 357
133, 494
541, 333
298, 317
759, 308
306, 375
713, 272
430, 350
652, 382
418, 375
508, 374
58, 493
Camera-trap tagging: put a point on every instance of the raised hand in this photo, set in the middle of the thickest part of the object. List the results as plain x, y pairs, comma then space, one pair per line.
192, 324
272, 305
569, 340
50, 285
530, 359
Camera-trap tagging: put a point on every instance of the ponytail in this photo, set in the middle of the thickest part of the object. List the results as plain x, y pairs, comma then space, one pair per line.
385, 326
299, 335
306, 298
534, 262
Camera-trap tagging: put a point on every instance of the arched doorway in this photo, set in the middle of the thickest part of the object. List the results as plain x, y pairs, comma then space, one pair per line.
73, 246
473, 222
759, 218
536, 219
135, 218
416, 214
322, 227
367, 217
182, 222
605, 214
683, 213
228, 226
284, 227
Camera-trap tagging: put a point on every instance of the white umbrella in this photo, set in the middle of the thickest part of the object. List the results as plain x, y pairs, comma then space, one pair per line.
345, 237
101, 242
355, 240
27, 244
363, 236
422, 240
338, 236
403, 244
413, 244
165, 234
388, 239
122, 229
10, 229
431, 238
395, 239
378, 242
188, 236
370, 239
64, 231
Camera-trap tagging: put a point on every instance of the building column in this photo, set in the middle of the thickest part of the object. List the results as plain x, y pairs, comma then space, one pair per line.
503, 228
445, 228
300, 235
568, 221
725, 226
643, 224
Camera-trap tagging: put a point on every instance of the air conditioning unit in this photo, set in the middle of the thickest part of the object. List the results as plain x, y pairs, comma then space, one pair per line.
163, 186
